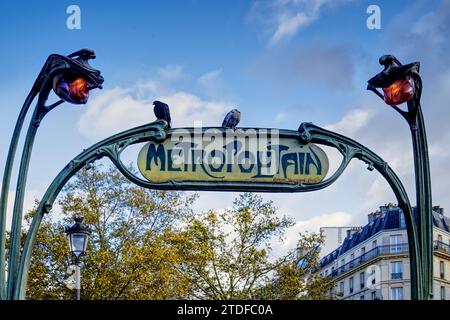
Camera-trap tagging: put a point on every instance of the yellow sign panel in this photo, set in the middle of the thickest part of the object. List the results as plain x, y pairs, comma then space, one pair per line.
214, 155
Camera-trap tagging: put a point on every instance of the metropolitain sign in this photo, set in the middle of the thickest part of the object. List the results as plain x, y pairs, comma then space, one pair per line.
244, 155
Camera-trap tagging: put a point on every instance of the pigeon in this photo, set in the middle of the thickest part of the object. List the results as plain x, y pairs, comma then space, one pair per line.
162, 112
232, 119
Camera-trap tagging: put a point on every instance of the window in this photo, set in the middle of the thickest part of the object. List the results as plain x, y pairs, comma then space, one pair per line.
361, 297
342, 262
350, 282
341, 287
363, 250
402, 220
439, 237
373, 275
362, 279
326, 272
395, 241
373, 295
441, 269
442, 293
352, 257
374, 244
397, 293
396, 270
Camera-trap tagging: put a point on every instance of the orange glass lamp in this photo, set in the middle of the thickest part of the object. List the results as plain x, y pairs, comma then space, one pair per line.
71, 88
395, 80
399, 92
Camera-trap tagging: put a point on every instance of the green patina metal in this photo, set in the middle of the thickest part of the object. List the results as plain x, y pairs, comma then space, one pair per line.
54, 65
113, 147
419, 228
394, 70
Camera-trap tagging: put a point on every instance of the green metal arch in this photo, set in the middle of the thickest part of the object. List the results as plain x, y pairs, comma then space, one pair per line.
113, 146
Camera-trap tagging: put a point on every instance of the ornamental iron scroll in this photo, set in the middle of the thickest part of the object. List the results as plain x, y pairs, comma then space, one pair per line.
71, 77
114, 146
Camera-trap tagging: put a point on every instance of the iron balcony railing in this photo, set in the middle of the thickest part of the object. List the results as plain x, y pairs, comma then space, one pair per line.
369, 255
441, 246
397, 276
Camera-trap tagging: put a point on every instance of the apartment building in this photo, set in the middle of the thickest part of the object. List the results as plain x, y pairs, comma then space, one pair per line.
373, 261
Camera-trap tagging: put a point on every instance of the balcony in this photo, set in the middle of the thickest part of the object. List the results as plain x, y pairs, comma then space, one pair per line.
370, 255
441, 246
397, 276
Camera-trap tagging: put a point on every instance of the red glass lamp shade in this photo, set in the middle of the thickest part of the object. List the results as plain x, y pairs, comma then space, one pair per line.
70, 88
399, 92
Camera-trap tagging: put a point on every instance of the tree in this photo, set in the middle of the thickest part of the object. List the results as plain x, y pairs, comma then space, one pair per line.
299, 277
227, 254
149, 244
124, 257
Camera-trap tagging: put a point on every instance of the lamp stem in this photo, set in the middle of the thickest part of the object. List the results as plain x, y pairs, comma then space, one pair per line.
423, 198
16, 226
77, 281
6, 183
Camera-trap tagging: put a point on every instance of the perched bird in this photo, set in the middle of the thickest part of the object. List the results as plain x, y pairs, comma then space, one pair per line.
232, 119
162, 112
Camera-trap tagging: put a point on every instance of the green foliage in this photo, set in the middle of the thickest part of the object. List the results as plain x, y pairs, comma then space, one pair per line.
149, 244
227, 254
124, 259
298, 276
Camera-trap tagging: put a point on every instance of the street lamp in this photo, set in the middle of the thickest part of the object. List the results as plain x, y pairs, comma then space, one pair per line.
403, 84
78, 235
70, 77
396, 80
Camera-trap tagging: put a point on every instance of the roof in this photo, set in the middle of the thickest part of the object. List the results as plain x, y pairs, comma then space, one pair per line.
388, 218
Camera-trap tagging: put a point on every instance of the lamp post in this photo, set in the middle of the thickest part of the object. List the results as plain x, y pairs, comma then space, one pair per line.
403, 84
70, 77
78, 235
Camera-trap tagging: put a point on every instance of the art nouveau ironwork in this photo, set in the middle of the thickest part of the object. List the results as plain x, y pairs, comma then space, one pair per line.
71, 78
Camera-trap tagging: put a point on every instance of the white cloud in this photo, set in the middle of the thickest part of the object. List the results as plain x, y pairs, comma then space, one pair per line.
171, 72
280, 117
121, 108
210, 83
206, 78
284, 18
28, 204
335, 219
288, 25
352, 122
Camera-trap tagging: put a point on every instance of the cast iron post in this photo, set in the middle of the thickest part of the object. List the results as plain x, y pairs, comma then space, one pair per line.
402, 83
69, 76
78, 236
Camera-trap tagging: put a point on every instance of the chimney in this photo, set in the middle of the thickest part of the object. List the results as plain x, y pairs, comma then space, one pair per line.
352, 230
373, 215
439, 210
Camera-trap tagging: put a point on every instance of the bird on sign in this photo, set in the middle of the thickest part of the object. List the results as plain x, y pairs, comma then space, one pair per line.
232, 119
162, 112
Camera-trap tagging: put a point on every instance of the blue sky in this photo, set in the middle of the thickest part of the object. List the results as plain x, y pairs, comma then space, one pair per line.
281, 62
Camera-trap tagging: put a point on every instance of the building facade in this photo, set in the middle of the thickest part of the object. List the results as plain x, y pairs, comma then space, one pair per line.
333, 238
373, 262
